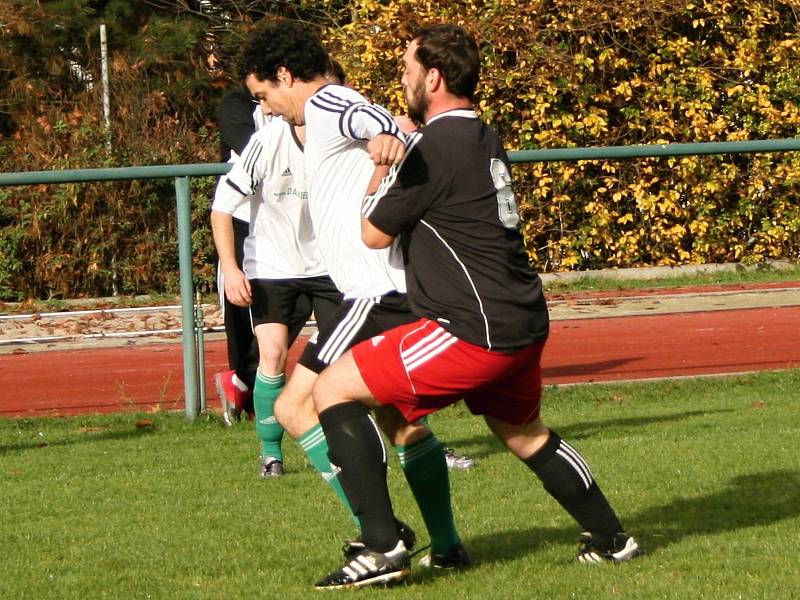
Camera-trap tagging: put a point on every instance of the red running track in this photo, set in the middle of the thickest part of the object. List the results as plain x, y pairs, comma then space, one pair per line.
150, 378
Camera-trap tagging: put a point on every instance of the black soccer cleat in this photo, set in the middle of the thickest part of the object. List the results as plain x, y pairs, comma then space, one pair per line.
455, 558
407, 536
366, 567
621, 548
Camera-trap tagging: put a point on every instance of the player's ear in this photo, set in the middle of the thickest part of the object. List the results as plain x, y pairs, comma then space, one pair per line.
285, 76
434, 79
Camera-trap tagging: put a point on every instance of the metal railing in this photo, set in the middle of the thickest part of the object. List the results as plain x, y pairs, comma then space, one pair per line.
193, 368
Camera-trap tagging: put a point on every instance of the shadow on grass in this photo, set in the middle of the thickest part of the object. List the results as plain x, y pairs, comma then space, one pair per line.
752, 500
591, 368
85, 438
581, 431
488, 445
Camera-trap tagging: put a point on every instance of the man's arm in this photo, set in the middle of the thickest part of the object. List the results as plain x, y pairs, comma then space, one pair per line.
237, 287
386, 149
372, 236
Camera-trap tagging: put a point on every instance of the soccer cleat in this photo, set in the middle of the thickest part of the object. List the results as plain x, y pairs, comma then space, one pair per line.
407, 536
233, 395
271, 467
455, 558
622, 548
457, 461
366, 567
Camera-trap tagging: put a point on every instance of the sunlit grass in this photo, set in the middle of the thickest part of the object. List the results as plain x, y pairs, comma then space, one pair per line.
704, 472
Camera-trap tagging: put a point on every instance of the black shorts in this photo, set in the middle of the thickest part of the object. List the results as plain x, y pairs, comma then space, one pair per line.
356, 321
291, 302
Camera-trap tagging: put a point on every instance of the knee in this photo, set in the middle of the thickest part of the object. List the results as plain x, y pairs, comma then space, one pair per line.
405, 434
321, 392
282, 409
294, 413
271, 360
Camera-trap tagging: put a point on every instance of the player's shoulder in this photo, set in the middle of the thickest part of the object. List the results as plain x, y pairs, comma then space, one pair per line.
273, 128
334, 98
460, 127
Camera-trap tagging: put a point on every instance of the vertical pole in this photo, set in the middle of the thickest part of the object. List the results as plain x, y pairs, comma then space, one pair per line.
107, 127
104, 79
187, 296
201, 351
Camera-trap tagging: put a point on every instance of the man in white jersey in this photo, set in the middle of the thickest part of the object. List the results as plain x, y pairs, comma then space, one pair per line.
284, 65
282, 267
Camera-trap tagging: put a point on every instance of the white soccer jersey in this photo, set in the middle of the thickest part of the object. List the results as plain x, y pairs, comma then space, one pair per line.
338, 122
271, 175
242, 211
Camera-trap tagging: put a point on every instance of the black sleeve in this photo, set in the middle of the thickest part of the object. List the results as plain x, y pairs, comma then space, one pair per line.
418, 184
236, 123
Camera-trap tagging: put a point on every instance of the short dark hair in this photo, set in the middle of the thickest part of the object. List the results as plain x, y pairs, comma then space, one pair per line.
454, 53
286, 44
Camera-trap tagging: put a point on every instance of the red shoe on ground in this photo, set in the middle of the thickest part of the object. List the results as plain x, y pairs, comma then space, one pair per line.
234, 397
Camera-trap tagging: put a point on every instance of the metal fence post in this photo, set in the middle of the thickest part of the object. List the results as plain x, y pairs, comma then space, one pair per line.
184, 211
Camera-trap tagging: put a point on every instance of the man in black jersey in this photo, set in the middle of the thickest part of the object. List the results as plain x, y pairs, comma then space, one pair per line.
235, 386
482, 318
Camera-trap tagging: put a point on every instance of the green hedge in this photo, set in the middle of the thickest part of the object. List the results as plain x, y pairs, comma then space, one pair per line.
555, 74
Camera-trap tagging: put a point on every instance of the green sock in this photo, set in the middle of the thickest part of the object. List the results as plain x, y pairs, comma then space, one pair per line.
268, 429
315, 446
425, 469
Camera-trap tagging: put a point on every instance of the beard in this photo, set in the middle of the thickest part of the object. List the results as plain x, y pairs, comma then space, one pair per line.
417, 102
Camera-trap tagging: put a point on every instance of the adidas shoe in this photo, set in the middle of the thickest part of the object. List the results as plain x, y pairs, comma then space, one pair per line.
455, 558
233, 395
366, 567
271, 467
407, 536
622, 548
457, 461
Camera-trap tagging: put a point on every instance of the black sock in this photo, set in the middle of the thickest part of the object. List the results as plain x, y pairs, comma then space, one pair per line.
355, 446
567, 478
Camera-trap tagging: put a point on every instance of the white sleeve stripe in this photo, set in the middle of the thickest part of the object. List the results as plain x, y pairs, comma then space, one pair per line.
380, 115
370, 202
250, 161
235, 187
469, 280
331, 104
385, 122
335, 108
332, 99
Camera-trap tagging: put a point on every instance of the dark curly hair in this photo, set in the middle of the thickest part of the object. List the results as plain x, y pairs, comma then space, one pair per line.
454, 53
286, 44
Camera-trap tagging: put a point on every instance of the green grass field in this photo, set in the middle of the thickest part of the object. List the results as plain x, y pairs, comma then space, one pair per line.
704, 472
605, 281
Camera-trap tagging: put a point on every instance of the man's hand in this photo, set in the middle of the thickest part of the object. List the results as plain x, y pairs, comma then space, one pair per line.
405, 123
386, 149
237, 288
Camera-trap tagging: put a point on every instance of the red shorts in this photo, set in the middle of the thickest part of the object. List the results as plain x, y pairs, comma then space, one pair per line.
420, 368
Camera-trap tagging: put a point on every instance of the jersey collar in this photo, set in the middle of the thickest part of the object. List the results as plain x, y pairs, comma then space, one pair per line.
465, 113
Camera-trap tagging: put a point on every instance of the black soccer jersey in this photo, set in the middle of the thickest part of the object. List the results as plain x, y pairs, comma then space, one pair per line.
452, 203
